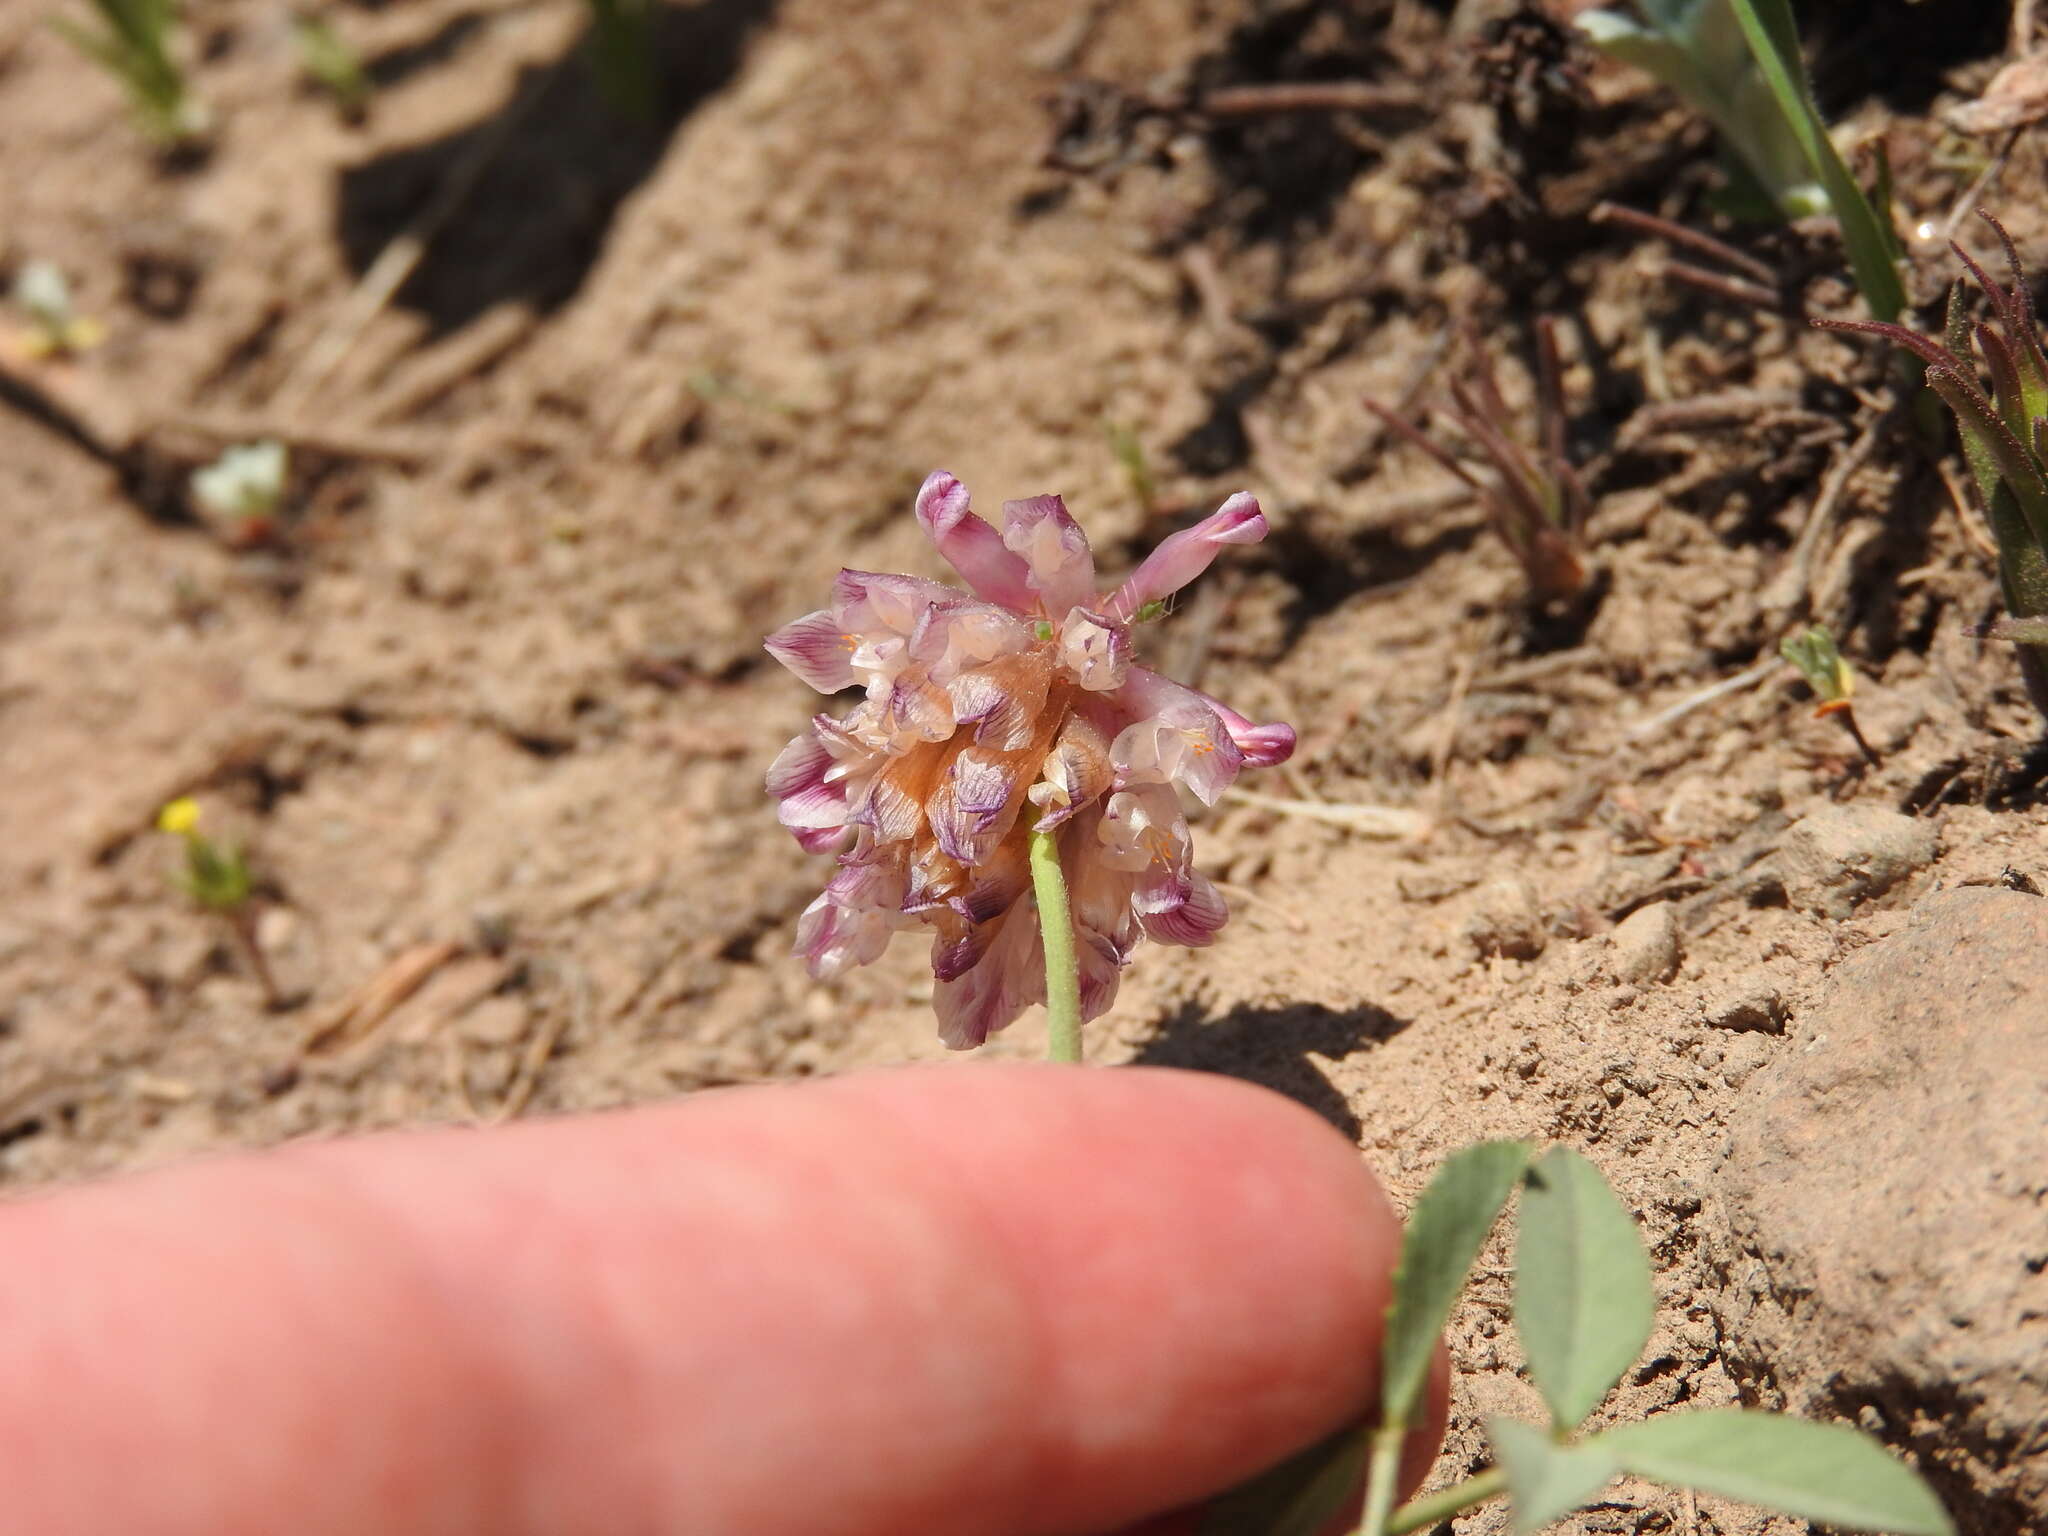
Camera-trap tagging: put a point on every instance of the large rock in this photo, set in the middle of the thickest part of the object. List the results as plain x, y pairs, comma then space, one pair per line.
1881, 1230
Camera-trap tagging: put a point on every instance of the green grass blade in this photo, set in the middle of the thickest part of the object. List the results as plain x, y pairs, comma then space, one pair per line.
2023, 329
1583, 1302
1873, 249
1824, 1472
1995, 456
1445, 1232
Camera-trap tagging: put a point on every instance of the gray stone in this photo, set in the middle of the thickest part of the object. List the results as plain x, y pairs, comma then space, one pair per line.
1646, 944
1506, 919
1751, 1004
1880, 1226
1834, 859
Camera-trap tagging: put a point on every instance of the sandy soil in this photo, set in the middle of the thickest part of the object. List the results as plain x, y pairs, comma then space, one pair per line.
491, 718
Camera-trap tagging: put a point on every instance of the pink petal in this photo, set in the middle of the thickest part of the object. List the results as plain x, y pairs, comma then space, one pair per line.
1185, 555
1263, 746
1164, 885
812, 805
971, 546
818, 649
820, 839
1044, 533
1195, 922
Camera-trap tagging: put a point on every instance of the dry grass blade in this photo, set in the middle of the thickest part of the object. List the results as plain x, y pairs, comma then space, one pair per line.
371, 1003
1388, 821
1749, 677
1682, 235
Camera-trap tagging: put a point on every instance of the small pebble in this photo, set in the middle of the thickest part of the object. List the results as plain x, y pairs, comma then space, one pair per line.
1646, 944
1752, 1005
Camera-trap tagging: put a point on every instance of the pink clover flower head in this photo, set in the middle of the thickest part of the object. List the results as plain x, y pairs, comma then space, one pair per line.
1012, 705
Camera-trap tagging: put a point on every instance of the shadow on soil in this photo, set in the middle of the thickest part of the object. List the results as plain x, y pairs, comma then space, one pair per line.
1271, 1046
556, 161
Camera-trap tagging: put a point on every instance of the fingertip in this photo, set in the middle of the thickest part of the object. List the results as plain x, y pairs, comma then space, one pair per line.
972, 1298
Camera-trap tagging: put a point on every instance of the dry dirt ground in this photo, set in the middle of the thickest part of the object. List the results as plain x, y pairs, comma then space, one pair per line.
491, 719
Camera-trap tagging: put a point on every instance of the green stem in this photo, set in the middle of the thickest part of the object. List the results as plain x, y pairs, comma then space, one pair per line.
1056, 923
1382, 1472
1421, 1514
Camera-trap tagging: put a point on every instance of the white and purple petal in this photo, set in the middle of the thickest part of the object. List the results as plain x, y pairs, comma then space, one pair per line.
973, 809
801, 765
1193, 922
868, 601
953, 637
818, 649
1055, 551
1075, 773
1101, 968
851, 921
1009, 977
1174, 737
917, 710
1095, 650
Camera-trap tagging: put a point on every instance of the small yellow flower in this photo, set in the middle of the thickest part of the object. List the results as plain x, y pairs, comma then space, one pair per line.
181, 816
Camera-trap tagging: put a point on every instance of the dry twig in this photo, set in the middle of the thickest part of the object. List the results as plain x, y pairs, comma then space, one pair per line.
1791, 590
397, 261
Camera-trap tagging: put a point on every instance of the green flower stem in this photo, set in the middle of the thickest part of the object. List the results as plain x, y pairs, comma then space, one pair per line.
1382, 1472
1421, 1514
1056, 923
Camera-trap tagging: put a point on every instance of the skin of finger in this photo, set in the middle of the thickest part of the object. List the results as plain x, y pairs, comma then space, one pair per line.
999, 1299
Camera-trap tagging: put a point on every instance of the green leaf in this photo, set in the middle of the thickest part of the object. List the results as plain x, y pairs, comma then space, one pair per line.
1583, 1302
1300, 1497
1873, 248
1547, 1480
1824, 1472
1814, 652
1445, 1231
